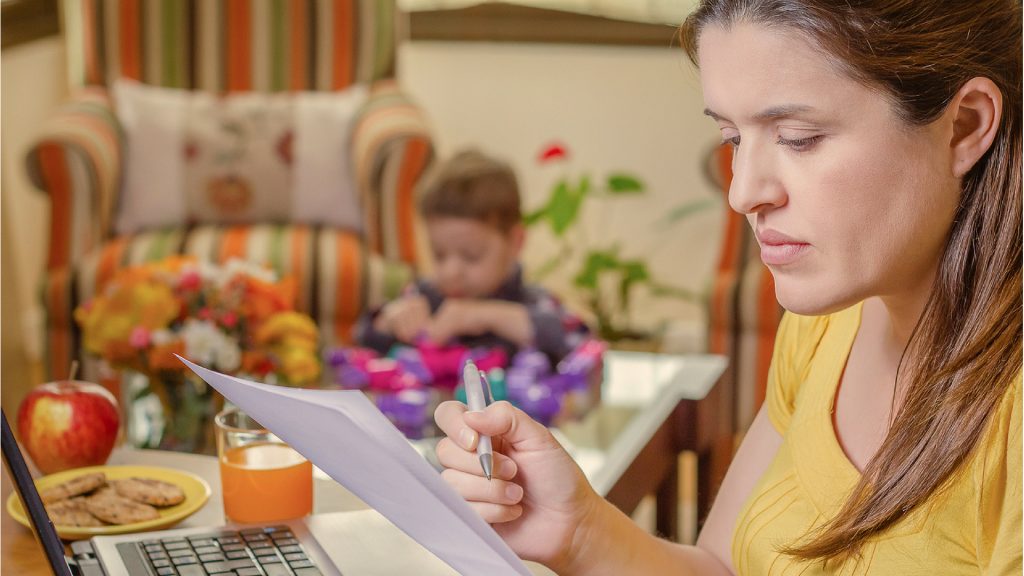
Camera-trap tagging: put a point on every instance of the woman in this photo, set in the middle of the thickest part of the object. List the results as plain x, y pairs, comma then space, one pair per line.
878, 158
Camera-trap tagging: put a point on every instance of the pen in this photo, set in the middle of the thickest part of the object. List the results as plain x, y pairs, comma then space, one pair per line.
478, 396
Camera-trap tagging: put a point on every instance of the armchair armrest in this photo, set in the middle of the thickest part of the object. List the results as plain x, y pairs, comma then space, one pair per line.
392, 148
76, 159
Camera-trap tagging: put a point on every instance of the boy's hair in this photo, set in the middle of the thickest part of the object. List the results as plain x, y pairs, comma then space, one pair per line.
472, 185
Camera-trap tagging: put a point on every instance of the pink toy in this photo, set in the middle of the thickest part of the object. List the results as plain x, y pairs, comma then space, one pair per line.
443, 362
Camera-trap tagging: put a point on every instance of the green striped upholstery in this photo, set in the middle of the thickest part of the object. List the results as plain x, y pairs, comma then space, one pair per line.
336, 277
231, 45
743, 314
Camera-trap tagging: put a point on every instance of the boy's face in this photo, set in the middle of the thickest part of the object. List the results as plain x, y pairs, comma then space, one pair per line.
471, 258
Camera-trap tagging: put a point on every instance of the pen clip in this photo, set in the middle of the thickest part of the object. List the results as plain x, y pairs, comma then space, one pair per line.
486, 385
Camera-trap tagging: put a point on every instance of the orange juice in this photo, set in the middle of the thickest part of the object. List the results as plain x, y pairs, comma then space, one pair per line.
265, 482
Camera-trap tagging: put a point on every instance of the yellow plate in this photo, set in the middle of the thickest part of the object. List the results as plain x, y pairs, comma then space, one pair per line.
196, 490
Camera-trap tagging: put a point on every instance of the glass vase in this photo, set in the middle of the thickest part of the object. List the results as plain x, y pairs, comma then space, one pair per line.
169, 411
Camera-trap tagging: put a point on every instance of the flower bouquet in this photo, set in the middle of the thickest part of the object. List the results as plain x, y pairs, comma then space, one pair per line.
236, 318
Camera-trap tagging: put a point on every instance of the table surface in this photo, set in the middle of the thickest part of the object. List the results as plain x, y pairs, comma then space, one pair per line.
639, 392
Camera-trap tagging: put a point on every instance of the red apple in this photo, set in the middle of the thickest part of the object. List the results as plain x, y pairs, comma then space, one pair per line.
68, 424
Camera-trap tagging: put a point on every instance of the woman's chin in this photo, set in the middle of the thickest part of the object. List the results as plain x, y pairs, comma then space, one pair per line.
810, 300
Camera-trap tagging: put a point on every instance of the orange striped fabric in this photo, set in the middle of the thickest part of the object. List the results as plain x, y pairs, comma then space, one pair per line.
414, 163
239, 43
348, 294
360, 45
130, 46
84, 129
54, 168
392, 148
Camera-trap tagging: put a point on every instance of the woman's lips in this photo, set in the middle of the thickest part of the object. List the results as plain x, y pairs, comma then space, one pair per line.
778, 249
781, 254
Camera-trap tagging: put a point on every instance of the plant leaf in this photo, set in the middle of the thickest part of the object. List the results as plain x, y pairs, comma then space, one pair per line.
563, 208
532, 218
683, 210
550, 265
620, 183
595, 263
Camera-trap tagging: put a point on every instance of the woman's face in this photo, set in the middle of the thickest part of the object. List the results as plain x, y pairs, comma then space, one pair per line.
846, 199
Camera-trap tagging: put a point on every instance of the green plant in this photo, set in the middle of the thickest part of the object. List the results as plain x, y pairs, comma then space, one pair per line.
605, 274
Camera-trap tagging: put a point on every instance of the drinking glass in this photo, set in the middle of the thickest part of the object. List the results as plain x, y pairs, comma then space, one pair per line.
262, 478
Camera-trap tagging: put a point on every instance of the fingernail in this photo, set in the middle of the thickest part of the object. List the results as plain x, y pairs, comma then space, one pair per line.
514, 492
507, 469
467, 438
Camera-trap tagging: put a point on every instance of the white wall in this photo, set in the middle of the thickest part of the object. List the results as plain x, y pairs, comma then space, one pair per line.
634, 109
34, 83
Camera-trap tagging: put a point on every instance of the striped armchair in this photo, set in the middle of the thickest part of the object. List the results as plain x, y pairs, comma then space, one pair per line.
230, 46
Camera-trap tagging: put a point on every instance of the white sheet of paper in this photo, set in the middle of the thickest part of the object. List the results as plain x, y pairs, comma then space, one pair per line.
344, 434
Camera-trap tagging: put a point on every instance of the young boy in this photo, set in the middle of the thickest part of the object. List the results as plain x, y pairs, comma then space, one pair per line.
470, 205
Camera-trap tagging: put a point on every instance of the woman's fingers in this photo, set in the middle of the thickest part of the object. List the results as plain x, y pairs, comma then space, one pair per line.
479, 489
456, 457
494, 500
512, 425
497, 513
448, 416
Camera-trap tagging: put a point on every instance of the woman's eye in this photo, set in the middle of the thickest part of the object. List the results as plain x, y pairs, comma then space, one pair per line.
733, 141
799, 144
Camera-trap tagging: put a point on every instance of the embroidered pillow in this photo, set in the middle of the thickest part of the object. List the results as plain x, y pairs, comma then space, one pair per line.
242, 158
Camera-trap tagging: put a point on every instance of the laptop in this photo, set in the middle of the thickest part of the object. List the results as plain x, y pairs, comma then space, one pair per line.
281, 549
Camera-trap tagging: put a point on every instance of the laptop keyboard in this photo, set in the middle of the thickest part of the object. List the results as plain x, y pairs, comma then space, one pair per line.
269, 551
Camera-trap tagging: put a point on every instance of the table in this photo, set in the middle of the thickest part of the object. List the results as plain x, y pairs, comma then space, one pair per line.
653, 407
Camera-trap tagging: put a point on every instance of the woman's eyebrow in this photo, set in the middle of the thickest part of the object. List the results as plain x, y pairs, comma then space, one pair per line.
772, 113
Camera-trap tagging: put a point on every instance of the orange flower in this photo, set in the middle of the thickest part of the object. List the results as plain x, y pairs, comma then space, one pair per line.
161, 357
262, 299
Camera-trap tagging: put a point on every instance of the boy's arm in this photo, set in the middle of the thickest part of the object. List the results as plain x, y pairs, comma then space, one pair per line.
398, 320
368, 336
540, 322
464, 317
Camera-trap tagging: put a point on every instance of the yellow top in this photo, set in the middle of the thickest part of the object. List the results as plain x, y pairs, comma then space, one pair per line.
974, 527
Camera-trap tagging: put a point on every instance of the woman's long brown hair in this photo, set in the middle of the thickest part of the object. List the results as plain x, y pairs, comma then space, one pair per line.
966, 349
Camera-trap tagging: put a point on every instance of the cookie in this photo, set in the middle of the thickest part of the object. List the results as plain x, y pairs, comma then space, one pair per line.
119, 510
72, 512
75, 487
149, 491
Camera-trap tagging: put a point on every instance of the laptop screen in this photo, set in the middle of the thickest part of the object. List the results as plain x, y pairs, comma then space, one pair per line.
45, 532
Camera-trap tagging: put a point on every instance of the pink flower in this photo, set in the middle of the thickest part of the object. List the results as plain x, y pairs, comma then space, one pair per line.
554, 151
139, 338
205, 314
189, 281
229, 319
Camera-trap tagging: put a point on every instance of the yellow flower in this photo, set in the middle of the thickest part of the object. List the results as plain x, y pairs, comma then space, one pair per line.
294, 326
110, 318
299, 366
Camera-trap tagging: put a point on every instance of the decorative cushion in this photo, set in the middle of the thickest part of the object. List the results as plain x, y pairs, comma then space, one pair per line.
194, 157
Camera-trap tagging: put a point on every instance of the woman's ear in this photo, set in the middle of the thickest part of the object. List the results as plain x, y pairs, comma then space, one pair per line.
976, 109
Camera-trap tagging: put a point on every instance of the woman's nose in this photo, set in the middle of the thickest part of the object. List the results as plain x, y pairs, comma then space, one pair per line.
756, 185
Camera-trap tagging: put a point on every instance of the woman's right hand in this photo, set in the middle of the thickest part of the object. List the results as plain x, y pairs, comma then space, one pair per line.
538, 500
